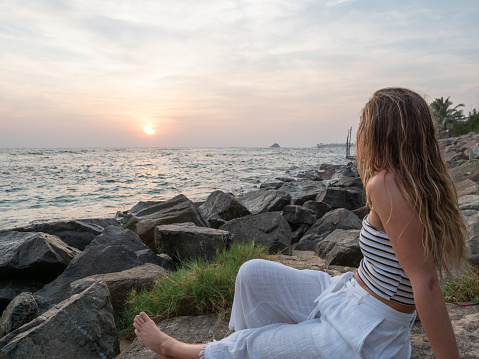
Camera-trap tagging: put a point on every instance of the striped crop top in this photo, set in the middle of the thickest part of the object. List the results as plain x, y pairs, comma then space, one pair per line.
380, 270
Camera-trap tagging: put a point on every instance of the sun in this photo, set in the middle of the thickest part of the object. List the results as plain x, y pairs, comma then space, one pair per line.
149, 130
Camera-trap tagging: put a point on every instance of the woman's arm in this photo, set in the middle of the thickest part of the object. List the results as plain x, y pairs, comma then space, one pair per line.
405, 231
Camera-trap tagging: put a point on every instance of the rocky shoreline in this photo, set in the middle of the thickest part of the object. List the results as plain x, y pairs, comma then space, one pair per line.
61, 283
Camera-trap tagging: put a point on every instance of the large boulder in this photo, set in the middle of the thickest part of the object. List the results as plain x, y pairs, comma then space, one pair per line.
115, 250
222, 206
299, 215
302, 191
340, 248
179, 209
187, 241
268, 229
21, 310
337, 197
337, 219
264, 200
10, 288
121, 283
76, 233
33, 255
80, 327
320, 208
473, 236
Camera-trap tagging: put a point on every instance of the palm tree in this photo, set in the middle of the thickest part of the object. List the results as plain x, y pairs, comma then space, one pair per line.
443, 114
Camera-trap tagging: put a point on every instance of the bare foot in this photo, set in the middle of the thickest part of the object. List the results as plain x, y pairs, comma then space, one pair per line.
152, 337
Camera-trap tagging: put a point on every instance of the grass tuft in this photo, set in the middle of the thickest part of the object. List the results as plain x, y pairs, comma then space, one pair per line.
196, 288
464, 289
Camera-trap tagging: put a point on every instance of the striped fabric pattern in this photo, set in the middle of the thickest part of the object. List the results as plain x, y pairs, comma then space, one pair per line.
380, 270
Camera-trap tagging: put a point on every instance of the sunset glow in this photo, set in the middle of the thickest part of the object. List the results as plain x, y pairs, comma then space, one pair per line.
149, 130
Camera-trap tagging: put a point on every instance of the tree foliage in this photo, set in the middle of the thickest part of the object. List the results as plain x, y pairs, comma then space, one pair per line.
471, 125
444, 114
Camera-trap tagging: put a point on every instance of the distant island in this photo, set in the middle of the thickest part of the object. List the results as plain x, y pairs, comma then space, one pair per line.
275, 145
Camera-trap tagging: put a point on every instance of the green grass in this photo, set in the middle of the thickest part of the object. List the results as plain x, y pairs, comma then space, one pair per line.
196, 288
464, 289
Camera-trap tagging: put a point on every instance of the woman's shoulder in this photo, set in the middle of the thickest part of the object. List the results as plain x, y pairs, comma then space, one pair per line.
383, 187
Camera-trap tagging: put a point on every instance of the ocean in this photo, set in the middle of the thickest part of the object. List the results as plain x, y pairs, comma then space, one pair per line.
61, 184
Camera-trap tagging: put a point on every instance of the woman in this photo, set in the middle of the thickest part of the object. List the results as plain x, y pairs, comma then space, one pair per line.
414, 227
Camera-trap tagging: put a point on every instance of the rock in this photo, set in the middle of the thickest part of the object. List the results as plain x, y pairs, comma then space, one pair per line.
349, 182
320, 208
21, 310
77, 233
222, 206
271, 184
337, 172
467, 187
469, 202
268, 229
362, 212
264, 200
33, 255
80, 327
188, 329
121, 283
337, 219
115, 250
336, 197
179, 209
340, 248
474, 152
10, 288
186, 241
473, 237
299, 215
302, 191
299, 233
468, 170
312, 175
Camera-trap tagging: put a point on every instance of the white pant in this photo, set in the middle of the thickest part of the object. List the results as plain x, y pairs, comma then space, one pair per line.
281, 312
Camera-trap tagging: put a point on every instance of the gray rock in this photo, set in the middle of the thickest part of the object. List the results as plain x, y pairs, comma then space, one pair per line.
337, 219
349, 182
312, 175
468, 202
264, 200
80, 327
336, 197
320, 208
115, 250
340, 248
473, 236
474, 152
272, 184
33, 255
77, 233
121, 283
10, 288
467, 187
179, 209
268, 229
181, 241
21, 310
299, 215
223, 207
302, 191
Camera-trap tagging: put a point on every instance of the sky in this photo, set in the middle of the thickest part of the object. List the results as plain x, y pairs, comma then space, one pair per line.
219, 73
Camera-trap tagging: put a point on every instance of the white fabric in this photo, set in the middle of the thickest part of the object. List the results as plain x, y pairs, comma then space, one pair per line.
281, 312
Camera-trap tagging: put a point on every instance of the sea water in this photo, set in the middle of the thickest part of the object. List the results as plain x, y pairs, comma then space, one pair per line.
60, 184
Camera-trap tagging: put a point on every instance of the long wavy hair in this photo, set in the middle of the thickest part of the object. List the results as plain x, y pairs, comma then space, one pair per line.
396, 133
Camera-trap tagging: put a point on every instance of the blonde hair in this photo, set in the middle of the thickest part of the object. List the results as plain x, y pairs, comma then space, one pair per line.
396, 133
